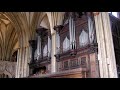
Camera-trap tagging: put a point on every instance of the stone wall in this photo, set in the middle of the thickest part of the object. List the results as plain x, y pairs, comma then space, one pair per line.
8, 68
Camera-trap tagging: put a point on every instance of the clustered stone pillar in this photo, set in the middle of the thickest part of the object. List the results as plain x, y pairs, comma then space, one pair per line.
17, 65
53, 52
26, 66
22, 62
106, 55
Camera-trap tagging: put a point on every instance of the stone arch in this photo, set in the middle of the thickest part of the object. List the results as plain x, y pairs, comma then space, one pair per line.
41, 18
18, 25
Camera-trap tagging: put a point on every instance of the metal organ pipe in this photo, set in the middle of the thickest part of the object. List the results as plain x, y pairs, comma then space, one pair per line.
72, 32
38, 47
74, 41
91, 29
49, 45
58, 41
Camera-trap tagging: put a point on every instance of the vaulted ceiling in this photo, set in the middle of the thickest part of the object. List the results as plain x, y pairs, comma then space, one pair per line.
17, 28
8, 37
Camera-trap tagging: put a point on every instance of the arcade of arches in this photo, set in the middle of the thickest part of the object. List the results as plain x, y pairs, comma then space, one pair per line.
59, 44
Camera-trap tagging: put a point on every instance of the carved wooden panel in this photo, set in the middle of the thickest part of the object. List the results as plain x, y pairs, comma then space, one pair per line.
70, 64
66, 65
83, 62
80, 23
8, 67
74, 63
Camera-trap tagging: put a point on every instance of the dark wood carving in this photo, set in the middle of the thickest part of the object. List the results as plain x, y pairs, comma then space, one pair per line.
74, 63
66, 65
33, 46
44, 36
83, 62
71, 64
43, 60
80, 23
70, 58
58, 28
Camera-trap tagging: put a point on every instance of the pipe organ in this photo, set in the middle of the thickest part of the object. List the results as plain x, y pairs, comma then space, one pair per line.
43, 51
76, 47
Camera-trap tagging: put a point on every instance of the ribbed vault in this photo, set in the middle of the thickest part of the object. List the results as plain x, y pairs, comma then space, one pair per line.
17, 28
8, 38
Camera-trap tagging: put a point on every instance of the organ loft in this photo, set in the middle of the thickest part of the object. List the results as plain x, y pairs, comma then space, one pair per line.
59, 44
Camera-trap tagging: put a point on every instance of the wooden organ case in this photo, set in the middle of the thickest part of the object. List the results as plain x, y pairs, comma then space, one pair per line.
76, 48
42, 53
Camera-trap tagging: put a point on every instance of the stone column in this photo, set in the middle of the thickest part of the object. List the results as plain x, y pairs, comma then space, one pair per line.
53, 52
17, 65
26, 67
22, 61
106, 55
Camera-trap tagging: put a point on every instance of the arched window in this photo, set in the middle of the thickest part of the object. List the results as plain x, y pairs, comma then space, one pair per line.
83, 38
66, 44
45, 50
